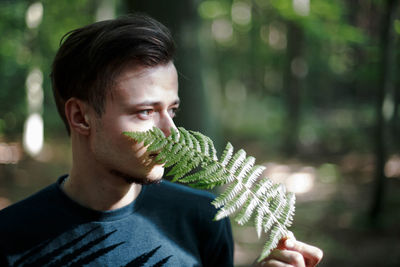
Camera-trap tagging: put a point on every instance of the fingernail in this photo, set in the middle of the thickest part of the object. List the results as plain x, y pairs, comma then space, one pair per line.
289, 243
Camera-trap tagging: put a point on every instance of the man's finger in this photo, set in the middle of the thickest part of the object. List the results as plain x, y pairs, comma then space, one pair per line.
288, 257
274, 263
311, 254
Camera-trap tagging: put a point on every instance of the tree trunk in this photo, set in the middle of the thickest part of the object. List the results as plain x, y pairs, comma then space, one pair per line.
384, 83
395, 119
292, 87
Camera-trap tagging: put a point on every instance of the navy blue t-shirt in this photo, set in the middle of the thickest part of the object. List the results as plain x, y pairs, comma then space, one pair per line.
167, 225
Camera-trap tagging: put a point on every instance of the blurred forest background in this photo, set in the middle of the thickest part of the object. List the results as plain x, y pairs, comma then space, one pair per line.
310, 88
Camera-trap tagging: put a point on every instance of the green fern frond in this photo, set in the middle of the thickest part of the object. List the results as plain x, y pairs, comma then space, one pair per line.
253, 174
288, 212
245, 214
262, 211
227, 154
273, 240
228, 195
247, 194
236, 161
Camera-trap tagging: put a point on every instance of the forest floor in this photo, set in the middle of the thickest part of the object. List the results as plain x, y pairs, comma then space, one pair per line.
332, 212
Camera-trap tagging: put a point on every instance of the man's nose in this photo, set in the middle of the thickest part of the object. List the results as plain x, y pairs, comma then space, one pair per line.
166, 123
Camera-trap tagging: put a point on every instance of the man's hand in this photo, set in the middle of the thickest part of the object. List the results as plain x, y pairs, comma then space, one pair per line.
291, 252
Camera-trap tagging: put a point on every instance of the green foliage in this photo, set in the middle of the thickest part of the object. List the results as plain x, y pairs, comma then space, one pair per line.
23, 48
247, 195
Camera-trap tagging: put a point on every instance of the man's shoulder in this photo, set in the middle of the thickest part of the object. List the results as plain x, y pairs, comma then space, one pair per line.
26, 208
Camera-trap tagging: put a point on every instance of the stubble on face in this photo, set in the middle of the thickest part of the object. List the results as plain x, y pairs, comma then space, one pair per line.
147, 161
142, 158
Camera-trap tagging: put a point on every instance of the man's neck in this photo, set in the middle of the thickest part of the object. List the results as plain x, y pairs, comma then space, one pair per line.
100, 192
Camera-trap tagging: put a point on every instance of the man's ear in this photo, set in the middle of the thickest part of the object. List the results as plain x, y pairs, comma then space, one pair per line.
77, 113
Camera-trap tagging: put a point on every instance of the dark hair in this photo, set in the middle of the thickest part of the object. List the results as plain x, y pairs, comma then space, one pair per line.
91, 57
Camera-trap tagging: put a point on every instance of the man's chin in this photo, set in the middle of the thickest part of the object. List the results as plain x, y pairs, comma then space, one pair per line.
153, 177
141, 181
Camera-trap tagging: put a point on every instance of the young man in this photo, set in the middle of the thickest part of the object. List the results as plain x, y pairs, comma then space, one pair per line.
113, 209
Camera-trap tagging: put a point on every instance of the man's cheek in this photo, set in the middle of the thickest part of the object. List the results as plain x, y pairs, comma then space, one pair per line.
138, 149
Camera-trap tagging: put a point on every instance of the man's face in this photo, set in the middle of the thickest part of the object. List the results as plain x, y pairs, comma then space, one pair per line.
142, 99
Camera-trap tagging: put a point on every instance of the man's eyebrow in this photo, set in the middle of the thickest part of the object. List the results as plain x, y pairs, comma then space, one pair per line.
155, 103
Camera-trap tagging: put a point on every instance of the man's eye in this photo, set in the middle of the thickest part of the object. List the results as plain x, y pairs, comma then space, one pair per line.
145, 113
172, 112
